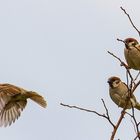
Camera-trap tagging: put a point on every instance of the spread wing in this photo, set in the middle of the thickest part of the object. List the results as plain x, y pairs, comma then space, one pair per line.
7, 91
10, 109
11, 112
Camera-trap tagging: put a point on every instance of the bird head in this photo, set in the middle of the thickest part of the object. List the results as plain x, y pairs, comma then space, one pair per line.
130, 42
114, 81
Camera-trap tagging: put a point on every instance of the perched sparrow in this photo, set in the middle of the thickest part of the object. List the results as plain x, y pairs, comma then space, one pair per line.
13, 100
132, 53
119, 94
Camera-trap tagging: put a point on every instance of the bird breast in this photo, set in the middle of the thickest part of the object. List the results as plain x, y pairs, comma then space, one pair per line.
132, 57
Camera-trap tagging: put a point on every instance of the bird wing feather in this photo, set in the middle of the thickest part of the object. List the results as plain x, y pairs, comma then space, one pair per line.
10, 114
10, 110
118, 99
6, 92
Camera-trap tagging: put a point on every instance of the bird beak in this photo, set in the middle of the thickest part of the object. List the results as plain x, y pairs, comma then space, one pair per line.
110, 83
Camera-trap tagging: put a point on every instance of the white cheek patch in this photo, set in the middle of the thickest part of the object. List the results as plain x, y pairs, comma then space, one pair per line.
131, 44
115, 84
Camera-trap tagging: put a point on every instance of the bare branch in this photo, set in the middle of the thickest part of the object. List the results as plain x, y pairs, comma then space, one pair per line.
122, 64
135, 86
107, 113
107, 116
120, 118
118, 124
135, 124
131, 88
130, 91
137, 76
130, 20
120, 40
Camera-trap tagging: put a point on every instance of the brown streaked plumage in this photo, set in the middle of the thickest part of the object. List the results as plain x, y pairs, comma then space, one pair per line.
132, 53
13, 100
118, 92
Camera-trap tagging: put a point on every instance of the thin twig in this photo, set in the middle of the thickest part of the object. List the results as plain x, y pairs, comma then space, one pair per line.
137, 76
135, 86
107, 113
122, 64
107, 116
138, 123
130, 20
135, 124
118, 124
122, 41
131, 90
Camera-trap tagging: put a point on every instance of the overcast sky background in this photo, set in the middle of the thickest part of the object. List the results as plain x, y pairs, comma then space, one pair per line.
59, 49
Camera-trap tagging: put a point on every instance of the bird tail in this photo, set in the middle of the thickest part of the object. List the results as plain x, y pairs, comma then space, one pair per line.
37, 98
137, 106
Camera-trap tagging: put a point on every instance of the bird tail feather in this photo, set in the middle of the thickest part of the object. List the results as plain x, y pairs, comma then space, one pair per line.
37, 98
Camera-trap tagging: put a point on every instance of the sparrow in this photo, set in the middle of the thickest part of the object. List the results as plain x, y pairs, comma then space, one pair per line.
132, 53
13, 100
119, 93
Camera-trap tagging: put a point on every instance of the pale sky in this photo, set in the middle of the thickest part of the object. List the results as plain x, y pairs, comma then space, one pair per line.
58, 48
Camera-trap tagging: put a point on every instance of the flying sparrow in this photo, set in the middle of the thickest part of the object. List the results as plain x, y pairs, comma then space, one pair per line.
132, 53
119, 94
13, 100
